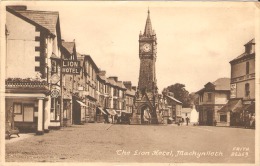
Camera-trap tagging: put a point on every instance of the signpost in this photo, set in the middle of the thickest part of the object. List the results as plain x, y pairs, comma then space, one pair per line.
55, 93
67, 67
233, 90
55, 78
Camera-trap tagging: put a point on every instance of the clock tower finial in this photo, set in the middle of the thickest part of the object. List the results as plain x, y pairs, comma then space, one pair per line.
148, 31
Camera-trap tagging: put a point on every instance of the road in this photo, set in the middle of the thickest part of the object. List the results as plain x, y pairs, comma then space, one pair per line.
136, 143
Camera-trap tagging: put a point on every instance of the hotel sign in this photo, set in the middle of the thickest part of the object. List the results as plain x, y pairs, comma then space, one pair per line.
70, 67
233, 91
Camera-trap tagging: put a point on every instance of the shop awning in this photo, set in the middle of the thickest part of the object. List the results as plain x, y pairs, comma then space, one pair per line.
123, 111
234, 105
81, 104
170, 118
102, 110
111, 112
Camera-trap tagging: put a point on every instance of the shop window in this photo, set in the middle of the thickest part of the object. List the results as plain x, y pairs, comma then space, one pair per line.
55, 111
28, 113
65, 106
17, 108
223, 118
247, 90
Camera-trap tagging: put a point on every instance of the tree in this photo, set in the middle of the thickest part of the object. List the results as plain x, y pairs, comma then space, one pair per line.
180, 93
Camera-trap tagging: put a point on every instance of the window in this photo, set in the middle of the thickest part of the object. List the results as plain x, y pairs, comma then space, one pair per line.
17, 108
55, 111
186, 114
247, 67
223, 118
53, 66
201, 98
115, 104
209, 96
247, 90
115, 92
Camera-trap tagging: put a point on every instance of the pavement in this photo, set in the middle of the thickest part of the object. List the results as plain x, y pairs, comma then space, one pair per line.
136, 143
15, 138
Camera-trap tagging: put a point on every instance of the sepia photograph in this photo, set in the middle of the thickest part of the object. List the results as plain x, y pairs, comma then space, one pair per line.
129, 82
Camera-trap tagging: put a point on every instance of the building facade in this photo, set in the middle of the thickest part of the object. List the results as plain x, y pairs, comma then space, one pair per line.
241, 105
212, 97
174, 110
90, 72
40, 94
68, 51
28, 85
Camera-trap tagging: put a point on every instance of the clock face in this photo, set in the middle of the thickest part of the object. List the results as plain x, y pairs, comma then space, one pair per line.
146, 47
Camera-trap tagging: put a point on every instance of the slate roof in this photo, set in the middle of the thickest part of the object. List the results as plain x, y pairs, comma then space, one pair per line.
54, 56
245, 53
68, 46
251, 42
103, 78
112, 81
46, 19
131, 93
172, 98
222, 84
121, 85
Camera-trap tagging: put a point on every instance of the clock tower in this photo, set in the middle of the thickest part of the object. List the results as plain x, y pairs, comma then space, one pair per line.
147, 95
147, 55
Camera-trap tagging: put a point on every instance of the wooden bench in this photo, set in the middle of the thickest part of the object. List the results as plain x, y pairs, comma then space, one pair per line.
9, 131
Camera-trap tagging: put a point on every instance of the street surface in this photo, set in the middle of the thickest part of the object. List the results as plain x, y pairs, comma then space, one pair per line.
136, 143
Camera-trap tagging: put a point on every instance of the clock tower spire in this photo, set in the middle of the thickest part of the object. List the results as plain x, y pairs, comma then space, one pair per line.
148, 31
147, 55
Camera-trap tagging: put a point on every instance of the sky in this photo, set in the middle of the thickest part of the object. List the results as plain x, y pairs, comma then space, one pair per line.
196, 40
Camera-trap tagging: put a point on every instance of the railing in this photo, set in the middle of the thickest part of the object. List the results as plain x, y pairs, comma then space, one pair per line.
29, 84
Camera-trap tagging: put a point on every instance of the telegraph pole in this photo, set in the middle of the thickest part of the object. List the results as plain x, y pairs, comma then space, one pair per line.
61, 91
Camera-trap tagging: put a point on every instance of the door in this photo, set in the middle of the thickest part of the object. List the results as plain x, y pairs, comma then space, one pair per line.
76, 111
210, 117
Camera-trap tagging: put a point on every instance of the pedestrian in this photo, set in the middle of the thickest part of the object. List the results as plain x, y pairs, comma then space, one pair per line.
247, 120
187, 120
215, 122
252, 121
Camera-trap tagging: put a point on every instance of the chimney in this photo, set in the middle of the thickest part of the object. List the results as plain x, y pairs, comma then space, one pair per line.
250, 47
18, 7
134, 88
102, 73
115, 78
128, 84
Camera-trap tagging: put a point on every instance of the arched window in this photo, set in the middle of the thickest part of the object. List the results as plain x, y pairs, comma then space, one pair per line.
247, 90
247, 67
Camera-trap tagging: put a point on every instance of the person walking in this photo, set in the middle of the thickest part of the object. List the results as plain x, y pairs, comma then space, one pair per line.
187, 120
